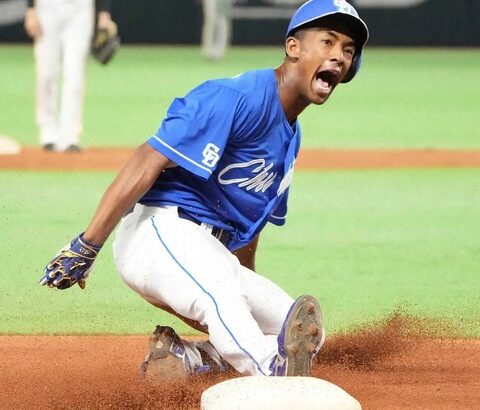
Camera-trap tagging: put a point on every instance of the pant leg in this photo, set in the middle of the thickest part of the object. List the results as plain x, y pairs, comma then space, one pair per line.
268, 302
76, 38
168, 260
223, 28
47, 51
208, 28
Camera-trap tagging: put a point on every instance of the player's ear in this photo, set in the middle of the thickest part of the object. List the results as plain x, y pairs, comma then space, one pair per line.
292, 47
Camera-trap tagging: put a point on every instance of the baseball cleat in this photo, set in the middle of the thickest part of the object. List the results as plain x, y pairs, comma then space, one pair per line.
300, 339
166, 358
73, 148
49, 147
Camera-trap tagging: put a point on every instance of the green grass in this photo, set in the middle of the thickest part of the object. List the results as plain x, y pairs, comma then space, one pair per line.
402, 98
365, 243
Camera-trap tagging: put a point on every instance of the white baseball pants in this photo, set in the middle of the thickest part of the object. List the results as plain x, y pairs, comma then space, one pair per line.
173, 261
217, 27
61, 53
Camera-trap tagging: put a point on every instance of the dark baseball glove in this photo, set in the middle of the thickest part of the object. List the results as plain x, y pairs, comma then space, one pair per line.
105, 43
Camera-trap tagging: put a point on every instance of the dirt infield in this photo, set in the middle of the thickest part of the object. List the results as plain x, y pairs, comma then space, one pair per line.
380, 367
33, 158
386, 366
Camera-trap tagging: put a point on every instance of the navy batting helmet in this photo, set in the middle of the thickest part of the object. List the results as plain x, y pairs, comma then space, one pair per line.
316, 10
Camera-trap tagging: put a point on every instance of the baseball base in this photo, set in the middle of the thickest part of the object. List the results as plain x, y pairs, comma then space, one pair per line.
9, 146
279, 393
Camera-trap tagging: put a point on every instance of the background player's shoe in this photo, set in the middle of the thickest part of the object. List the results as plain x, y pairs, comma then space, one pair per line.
300, 339
166, 358
73, 148
49, 147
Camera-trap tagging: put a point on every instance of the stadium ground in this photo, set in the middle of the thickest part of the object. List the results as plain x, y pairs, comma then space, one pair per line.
396, 364
379, 367
33, 158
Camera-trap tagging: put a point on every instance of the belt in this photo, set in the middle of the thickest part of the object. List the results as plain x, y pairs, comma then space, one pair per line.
221, 234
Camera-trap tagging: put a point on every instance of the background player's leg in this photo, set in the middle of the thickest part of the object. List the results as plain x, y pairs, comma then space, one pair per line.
48, 62
76, 46
172, 261
209, 28
223, 28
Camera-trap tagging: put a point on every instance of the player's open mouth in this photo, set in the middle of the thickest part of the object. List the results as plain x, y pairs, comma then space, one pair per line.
326, 80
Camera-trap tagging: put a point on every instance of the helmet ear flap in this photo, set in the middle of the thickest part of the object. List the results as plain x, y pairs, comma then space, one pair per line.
356, 63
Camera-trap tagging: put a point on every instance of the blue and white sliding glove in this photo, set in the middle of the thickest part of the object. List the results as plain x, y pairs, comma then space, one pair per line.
71, 265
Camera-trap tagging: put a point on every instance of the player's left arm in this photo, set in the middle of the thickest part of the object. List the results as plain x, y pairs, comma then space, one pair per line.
246, 255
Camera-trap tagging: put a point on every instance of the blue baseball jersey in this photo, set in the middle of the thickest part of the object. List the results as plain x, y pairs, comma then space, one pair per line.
235, 152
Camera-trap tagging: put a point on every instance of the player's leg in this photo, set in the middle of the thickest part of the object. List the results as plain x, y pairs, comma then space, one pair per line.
271, 305
172, 261
76, 41
268, 302
47, 51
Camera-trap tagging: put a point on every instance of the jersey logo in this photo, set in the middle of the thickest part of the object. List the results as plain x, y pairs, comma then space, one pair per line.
210, 155
387, 4
344, 7
260, 180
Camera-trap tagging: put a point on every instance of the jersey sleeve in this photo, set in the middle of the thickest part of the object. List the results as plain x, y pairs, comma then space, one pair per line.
197, 127
279, 215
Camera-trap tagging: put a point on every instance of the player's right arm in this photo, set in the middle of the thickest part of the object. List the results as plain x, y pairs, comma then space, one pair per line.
132, 182
73, 263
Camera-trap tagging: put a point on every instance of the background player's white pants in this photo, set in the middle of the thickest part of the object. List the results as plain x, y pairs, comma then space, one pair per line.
172, 261
61, 52
216, 30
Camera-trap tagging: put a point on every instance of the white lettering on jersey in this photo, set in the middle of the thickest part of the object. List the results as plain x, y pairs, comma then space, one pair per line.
210, 155
287, 180
261, 180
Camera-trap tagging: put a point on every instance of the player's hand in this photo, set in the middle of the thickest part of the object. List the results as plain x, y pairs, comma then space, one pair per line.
104, 21
32, 23
71, 265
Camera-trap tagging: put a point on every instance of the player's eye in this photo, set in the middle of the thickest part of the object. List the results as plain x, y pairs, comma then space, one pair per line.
349, 52
327, 42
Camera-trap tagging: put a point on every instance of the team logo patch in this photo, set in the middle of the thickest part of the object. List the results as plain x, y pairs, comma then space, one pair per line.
344, 7
210, 155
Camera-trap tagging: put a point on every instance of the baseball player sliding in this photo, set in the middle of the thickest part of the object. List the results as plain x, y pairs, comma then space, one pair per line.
195, 196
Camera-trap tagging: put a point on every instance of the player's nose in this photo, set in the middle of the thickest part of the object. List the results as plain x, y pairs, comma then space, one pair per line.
337, 54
